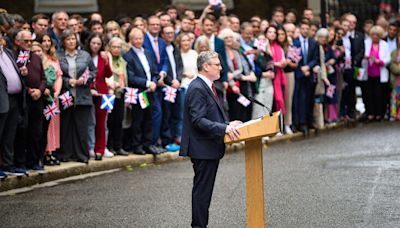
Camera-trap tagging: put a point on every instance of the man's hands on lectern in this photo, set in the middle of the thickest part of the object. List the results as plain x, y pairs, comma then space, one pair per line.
233, 129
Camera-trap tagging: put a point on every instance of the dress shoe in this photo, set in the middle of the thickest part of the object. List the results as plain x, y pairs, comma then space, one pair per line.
139, 150
121, 152
83, 161
305, 130
98, 157
151, 150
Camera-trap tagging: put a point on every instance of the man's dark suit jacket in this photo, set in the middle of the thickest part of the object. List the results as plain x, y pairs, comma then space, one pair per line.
357, 49
178, 67
137, 77
312, 56
204, 123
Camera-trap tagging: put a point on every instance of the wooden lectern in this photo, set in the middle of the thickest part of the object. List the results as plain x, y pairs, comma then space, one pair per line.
252, 132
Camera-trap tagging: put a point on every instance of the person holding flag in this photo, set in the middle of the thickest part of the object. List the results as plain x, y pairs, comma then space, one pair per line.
28, 151
142, 74
95, 47
78, 72
116, 85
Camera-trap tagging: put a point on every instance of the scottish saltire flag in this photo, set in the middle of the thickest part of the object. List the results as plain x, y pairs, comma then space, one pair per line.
131, 95
107, 101
23, 57
294, 53
243, 101
51, 111
143, 100
170, 94
66, 100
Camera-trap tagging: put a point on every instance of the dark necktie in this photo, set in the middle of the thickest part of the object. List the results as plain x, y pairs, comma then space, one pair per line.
214, 90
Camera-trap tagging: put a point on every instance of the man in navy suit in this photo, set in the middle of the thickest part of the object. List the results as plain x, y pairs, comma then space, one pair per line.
303, 98
142, 74
157, 47
204, 127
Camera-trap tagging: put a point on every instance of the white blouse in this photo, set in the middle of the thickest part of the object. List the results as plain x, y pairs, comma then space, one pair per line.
189, 60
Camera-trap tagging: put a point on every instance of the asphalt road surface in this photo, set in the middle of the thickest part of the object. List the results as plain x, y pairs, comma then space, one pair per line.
342, 178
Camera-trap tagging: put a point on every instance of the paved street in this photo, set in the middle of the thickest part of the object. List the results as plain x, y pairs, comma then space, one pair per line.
343, 178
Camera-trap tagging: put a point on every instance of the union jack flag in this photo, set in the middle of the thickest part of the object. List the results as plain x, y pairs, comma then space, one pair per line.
23, 57
51, 111
66, 100
294, 53
85, 75
330, 91
170, 94
131, 95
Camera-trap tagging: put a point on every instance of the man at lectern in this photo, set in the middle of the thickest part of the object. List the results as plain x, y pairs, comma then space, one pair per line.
204, 127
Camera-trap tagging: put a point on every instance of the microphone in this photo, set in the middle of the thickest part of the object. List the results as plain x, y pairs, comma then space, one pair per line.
251, 98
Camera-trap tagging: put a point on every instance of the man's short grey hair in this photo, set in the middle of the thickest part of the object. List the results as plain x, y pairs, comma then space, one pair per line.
244, 25
205, 58
55, 15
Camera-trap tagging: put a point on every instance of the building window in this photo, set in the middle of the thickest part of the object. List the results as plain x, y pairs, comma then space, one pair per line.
70, 6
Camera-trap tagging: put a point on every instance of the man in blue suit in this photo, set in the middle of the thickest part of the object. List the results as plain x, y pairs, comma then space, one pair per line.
303, 98
157, 47
142, 74
204, 128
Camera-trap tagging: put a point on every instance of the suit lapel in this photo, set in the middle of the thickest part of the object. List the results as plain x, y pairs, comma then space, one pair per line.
137, 60
214, 98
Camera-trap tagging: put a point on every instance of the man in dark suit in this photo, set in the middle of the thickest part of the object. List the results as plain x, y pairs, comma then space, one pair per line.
204, 127
356, 40
171, 111
142, 74
157, 47
303, 98
12, 102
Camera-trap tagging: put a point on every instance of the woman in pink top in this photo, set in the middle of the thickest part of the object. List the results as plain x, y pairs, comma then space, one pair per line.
377, 56
280, 63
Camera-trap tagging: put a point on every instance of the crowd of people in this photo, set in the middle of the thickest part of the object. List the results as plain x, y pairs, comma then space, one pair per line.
72, 88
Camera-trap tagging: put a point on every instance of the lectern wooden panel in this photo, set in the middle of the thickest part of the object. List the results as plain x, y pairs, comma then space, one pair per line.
252, 132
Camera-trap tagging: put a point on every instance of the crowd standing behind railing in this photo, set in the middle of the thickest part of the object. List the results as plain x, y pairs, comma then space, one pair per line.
74, 88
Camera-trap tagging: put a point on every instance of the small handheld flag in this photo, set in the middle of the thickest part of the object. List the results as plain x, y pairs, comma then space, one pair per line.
143, 100
243, 101
330, 91
51, 111
170, 94
294, 54
85, 75
359, 73
107, 102
66, 100
131, 95
23, 57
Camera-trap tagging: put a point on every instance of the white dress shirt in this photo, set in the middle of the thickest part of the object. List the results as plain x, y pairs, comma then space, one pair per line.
212, 42
347, 45
170, 53
392, 44
143, 60
207, 81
